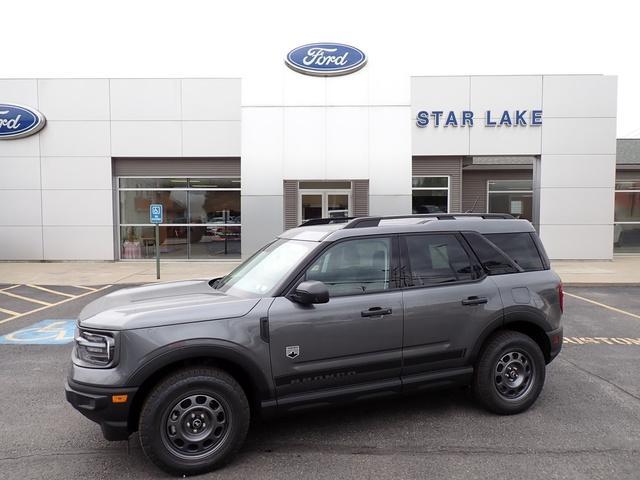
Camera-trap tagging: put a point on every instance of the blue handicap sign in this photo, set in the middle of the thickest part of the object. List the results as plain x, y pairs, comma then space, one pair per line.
46, 332
155, 213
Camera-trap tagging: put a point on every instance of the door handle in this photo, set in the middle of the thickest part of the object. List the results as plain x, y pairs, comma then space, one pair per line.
474, 300
376, 312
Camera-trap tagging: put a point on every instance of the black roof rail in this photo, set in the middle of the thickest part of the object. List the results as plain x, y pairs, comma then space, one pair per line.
489, 216
325, 221
362, 222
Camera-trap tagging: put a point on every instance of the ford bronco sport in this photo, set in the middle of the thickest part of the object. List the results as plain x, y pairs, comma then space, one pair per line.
334, 310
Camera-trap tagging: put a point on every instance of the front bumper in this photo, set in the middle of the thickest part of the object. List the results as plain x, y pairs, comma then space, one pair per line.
555, 342
96, 404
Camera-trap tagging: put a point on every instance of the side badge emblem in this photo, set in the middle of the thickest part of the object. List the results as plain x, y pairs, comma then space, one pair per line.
293, 351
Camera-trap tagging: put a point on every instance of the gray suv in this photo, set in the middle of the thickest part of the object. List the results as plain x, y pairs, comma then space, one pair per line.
334, 310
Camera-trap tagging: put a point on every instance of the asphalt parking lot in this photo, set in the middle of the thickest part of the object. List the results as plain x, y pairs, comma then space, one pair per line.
586, 423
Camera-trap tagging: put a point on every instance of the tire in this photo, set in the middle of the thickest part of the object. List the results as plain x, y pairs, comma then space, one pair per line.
509, 373
194, 421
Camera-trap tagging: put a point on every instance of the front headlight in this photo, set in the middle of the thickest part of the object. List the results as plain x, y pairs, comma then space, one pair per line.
95, 349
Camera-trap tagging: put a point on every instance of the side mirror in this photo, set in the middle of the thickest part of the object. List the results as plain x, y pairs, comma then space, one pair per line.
311, 292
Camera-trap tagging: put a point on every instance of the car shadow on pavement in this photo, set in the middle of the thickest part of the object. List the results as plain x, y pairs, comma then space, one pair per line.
349, 423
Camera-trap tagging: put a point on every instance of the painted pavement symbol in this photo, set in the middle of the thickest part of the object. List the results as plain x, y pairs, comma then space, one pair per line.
46, 332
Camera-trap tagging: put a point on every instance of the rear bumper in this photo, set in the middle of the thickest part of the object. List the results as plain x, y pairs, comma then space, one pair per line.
555, 341
96, 404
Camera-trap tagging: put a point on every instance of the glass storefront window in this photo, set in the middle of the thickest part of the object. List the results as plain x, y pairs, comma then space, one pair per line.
430, 195
201, 217
134, 205
510, 196
627, 207
214, 183
626, 228
430, 182
210, 206
510, 185
152, 182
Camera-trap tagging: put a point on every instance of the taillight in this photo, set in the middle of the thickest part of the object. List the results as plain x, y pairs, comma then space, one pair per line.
561, 297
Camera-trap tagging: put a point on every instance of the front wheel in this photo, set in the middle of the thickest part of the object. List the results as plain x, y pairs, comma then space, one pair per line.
194, 421
509, 373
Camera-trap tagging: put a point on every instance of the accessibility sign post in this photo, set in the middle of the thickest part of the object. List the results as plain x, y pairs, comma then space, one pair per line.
155, 217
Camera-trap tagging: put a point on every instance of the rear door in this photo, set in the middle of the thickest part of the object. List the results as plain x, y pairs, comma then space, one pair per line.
352, 342
448, 302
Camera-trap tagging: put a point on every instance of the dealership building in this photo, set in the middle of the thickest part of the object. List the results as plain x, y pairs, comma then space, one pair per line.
235, 161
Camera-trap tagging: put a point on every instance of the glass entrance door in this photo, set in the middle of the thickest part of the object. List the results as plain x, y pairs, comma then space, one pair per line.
337, 205
324, 204
311, 206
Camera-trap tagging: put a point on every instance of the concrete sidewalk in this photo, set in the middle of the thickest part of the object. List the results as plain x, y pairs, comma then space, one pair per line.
105, 273
621, 271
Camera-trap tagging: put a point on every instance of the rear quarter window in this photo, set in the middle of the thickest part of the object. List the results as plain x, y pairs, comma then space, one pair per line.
492, 260
520, 247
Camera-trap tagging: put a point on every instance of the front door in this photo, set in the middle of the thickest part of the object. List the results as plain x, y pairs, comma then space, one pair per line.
353, 340
324, 204
448, 302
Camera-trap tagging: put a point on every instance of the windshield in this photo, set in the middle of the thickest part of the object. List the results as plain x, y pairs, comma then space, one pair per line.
261, 273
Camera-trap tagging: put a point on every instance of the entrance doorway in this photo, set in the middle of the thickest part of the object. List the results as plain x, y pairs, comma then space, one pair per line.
314, 203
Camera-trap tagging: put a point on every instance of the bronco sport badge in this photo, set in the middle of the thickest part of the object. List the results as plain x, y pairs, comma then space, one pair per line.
293, 351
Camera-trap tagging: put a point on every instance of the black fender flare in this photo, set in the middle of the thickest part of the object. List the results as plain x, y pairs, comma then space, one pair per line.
511, 315
214, 349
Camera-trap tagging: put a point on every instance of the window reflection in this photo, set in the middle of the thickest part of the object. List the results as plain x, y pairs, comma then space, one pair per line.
430, 195
202, 217
626, 229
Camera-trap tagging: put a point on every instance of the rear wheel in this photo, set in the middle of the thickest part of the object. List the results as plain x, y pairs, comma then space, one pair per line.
194, 421
509, 373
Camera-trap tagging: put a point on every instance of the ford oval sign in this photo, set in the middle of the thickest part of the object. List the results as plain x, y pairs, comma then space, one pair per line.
17, 121
326, 59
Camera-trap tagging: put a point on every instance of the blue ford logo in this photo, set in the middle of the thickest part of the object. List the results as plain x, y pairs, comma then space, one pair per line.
17, 121
326, 59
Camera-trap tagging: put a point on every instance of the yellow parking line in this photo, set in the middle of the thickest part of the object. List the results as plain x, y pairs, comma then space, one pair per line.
33, 300
8, 312
609, 307
53, 304
51, 291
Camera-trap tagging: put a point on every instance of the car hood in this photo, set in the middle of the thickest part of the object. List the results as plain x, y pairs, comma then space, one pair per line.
160, 304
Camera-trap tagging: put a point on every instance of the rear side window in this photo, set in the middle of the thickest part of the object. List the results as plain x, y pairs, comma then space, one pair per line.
493, 261
520, 247
436, 259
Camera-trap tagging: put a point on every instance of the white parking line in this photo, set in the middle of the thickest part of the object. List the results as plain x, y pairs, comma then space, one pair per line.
32, 300
51, 291
88, 288
609, 307
8, 312
49, 305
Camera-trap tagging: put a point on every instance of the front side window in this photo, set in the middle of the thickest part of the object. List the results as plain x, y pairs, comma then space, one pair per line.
430, 194
511, 196
436, 259
354, 267
626, 228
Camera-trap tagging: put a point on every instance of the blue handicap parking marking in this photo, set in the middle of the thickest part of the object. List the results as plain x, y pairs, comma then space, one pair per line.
46, 332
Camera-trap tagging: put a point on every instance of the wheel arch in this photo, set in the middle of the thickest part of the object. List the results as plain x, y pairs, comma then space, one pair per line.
223, 355
526, 323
